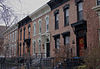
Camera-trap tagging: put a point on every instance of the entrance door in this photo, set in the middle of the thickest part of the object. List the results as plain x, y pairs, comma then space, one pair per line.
47, 49
81, 46
81, 42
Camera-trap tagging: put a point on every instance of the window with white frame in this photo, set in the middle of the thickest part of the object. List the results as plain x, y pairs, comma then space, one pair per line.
39, 26
47, 24
13, 36
39, 46
34, 29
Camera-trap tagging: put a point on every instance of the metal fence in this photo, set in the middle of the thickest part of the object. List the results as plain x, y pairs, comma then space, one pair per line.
38, 63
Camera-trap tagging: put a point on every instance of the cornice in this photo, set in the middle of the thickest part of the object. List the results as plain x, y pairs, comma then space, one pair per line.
56, 3
40, 12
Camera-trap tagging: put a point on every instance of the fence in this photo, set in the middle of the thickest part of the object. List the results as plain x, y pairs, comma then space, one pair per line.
38, 63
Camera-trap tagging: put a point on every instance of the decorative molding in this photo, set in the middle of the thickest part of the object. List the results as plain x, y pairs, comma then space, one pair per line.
47, 16
40, 12
66, 6
56, 3
11, 29
96, 8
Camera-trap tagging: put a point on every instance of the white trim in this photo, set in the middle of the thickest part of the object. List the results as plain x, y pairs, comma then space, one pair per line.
40, 23
40, 12
11, 29
47, 16
35, 29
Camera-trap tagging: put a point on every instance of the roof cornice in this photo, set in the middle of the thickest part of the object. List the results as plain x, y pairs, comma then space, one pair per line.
40, 12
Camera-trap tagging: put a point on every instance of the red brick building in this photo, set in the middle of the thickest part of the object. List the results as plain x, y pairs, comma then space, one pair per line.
33, 31
57, 23
74, 22
10, 41
2, 28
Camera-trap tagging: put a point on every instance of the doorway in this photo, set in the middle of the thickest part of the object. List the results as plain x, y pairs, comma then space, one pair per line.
47, 49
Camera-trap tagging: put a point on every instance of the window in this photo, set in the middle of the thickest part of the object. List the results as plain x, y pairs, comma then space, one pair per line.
66, 37
34, 29
98, 2
15, 35
20, 49
12, 36
66, 17
56, 21
20, 34
80, 11
39, 46
47, 24
24, 32
57, 42
34, 45
39, 26
29, 30
66, 40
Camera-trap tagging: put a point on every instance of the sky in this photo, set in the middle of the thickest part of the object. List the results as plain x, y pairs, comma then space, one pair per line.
25, 7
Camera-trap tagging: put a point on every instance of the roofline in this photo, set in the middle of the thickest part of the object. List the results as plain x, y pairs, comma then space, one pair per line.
35, 14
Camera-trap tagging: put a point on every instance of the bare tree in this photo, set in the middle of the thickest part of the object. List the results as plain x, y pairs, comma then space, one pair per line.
7, 14
92, 58
62, 54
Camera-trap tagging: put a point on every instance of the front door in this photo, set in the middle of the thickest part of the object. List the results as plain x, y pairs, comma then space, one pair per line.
81, 45
47, 49
81, 42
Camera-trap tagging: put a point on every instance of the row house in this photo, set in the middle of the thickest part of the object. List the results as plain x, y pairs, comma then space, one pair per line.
71, 23
2, 29
74, 23
34, 36
24, 37
10, 41
97, 9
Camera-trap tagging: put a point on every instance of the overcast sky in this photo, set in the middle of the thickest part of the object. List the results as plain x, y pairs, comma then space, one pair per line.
25, 7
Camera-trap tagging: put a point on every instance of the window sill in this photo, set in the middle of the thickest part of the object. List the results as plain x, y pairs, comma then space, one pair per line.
97, 8
57, 29
66, 25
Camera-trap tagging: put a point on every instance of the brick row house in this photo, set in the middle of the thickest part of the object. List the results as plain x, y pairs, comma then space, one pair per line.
58, 23
10, 41
34, 33
73, 22
2, 28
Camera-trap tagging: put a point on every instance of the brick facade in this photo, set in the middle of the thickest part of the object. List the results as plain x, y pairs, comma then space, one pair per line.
77, 30
10, 41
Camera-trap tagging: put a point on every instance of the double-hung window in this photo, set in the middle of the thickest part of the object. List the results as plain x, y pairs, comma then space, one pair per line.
66, 40
39, 46
66, 15
56, 13
57, 43
80, 10
39, 26
34, 44
34, 29
47, 24
24, 32
20, 34
98, 2
66, 37
29, 30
